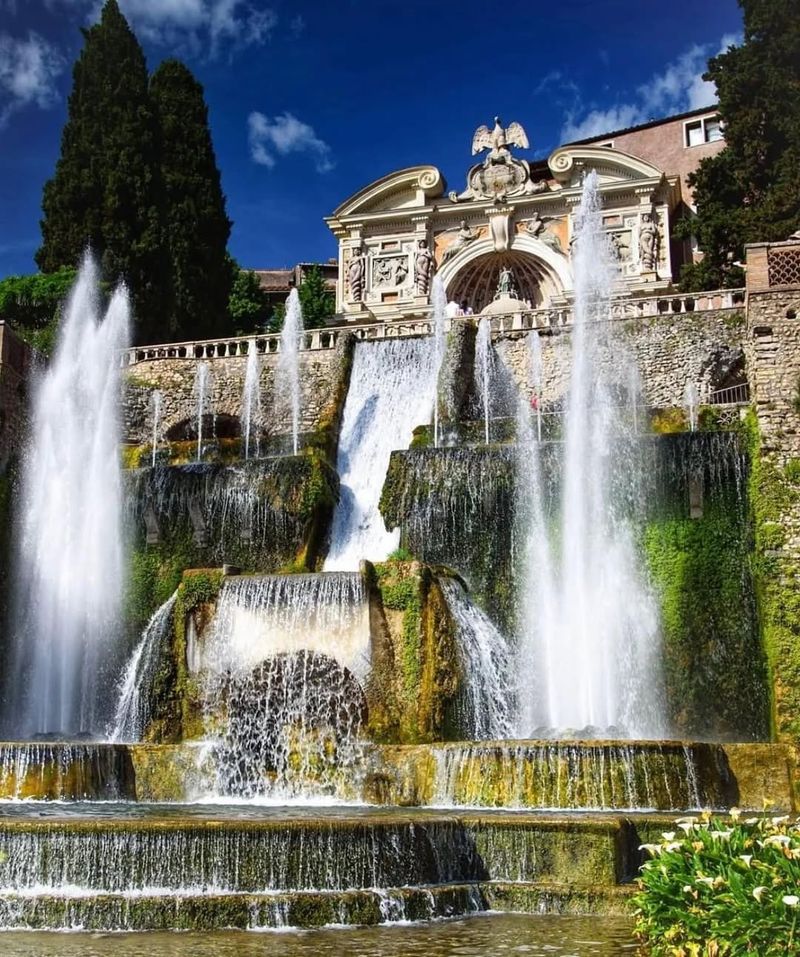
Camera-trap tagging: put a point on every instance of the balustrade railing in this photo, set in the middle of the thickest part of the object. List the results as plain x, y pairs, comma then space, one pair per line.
327, 338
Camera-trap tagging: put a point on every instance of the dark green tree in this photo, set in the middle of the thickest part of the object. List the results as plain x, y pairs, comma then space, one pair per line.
105, 193
248, 304
32, 305
750, 192
196, 225
317, 301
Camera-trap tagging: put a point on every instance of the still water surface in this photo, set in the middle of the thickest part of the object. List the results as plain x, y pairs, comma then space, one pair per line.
485, 936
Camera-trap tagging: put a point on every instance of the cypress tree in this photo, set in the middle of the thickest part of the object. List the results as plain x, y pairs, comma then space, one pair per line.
750, 192
105, 191
196, 225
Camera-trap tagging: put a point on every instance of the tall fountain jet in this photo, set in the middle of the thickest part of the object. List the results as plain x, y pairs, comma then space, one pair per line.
590, 651
439, 303
484, 370
289, 362
251, 398
70, 562
202, 391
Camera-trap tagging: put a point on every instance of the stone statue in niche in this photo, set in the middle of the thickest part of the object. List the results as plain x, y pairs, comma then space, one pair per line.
356, 270
465, 236
424, 267
648, 242
506, 287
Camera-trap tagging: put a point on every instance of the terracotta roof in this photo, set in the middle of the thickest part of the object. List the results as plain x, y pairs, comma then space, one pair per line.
275, 278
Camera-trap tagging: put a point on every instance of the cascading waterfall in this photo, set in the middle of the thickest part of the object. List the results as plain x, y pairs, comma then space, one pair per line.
391, 392
590, 658
202, 392
70, 564
484, 369
136, 685
439, 312
288, 378
286, 661
486, 707
155, 405
251, 398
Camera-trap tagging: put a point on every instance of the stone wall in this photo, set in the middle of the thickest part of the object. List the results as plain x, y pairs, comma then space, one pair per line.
321, 372
773, 362
671, 351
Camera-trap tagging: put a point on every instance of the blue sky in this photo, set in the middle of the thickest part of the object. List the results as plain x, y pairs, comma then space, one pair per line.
309, 101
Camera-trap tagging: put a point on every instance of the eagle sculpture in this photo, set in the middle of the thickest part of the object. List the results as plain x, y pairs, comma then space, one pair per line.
498, 140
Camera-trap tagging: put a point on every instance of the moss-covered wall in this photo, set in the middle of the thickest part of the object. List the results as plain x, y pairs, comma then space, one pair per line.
422, 635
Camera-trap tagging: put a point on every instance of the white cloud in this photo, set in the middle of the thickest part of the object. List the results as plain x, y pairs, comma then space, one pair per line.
678, 88
283, 135
28, 71
194, 25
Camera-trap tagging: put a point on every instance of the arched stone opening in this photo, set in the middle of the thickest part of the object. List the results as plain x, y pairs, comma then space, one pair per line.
220, 426
540, 273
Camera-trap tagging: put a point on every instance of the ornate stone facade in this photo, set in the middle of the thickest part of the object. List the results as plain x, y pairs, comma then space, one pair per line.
511, 214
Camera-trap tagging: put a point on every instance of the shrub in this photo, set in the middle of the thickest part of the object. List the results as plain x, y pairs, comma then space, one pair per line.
715, 888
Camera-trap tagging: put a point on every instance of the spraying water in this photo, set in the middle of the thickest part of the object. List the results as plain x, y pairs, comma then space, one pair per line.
155, 405
202, 389
135, 687
590, 655
251, 398
70, 564
439, 303
536, 375
391, 392
484, 369
690, 403
288, 379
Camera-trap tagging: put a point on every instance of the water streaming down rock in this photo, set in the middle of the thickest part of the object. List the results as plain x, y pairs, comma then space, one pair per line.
136, 685
251, 398
70, 562
590, 649
581, 775
202, 392
486, 706
65, 772
484, 369
690, 403
535, 377
439, 315
391, 392
155, 405
286, 661
288, 376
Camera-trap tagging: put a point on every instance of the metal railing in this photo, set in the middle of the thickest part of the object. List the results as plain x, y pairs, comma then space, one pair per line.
327, 338
733, 395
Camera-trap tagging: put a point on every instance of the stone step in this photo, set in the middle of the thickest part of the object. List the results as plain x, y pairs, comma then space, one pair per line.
336, 850
302, 909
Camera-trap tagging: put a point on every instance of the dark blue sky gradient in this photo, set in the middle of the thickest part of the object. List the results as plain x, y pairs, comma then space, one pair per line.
384, 84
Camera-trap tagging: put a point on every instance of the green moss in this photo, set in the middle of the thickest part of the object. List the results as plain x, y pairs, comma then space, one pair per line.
714, 670
774, 501
421, 437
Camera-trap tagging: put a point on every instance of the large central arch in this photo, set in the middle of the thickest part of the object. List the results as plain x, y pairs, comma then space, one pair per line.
541, 273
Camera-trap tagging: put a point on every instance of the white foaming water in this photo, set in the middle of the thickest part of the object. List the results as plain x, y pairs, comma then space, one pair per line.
202, 392
135, 687
251, 398
70, 565
391, 392
439, 304
590, 651
288, 378
486, 707
155, 405
484, 370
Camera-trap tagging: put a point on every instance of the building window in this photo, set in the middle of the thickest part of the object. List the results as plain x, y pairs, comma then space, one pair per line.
708, 129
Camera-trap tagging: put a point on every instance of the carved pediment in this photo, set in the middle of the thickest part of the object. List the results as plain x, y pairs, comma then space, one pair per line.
569, 163
405, 189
